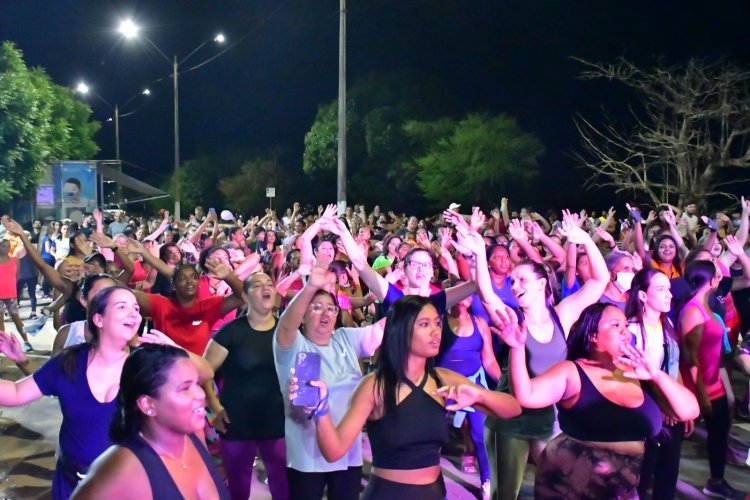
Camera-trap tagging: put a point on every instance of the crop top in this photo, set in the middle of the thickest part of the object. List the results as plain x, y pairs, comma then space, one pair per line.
595, 418
410, 435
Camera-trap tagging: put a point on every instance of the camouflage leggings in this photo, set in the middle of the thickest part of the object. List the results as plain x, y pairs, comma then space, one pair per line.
571, 469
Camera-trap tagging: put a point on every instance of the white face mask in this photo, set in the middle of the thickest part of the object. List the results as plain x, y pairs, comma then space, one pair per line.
624, 280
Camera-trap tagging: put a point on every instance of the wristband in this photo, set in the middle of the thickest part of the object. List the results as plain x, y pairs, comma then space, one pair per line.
322, 408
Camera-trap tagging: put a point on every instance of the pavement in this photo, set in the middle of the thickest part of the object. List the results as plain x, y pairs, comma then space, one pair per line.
28, 437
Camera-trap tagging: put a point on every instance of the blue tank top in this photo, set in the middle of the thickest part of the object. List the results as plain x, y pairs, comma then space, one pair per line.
463, 354
409, 436
162, 484
595, 418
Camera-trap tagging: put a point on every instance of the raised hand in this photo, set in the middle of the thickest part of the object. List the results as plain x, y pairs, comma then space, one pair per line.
477, 219
536, 231
745, 204
495, 213
517, 231
97, 214
218, 268
604, 235
651, 217
102, 240
468, 240
135, 246
453, 217
423, 240
12, 226
669, 217
573, 217
506, 326
295, 207
635, 364
637, 261
319, 274
331, 211
734, 246
155, 336
462, 395
574, 233
11, 347
445, 235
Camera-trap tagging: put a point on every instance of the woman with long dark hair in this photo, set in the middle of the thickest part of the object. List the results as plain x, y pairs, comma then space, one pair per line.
701, 339
157, 424
647, 310
403, 405
605, 411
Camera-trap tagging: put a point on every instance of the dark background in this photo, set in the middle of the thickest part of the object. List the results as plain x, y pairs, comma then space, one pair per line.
494, 56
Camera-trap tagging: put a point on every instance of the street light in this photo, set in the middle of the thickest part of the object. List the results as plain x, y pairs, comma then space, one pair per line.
129, 30
83, 89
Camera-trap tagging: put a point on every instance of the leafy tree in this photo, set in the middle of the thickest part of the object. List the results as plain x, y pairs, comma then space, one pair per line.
472, 159
39, 123
246, 191
689, 136
377, 109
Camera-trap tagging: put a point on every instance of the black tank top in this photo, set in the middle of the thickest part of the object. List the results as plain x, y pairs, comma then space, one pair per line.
409, 436
595, 418
163, 486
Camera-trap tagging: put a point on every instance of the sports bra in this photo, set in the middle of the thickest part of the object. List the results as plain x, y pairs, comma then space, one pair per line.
410, 435
162, 484
595, 418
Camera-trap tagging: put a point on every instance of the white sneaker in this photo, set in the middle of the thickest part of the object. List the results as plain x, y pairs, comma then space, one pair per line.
27, 347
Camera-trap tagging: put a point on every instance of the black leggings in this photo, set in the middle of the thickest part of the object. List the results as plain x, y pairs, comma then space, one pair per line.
717, 428
661, 461
30, 284
342, 484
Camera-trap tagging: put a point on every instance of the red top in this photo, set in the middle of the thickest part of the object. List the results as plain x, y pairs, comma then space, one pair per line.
8, 273
189, 327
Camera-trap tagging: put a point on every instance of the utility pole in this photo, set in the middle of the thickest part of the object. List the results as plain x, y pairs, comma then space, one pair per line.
176, 142
341, 178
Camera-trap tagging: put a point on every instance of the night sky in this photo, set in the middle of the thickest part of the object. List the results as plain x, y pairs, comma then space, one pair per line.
494, 56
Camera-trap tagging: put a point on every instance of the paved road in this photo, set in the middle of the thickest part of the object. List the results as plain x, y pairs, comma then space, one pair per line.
28, 439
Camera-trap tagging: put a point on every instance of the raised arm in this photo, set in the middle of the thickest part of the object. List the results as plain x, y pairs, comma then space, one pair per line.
291, 319
570, 308
375, 282
225, 273
64, 285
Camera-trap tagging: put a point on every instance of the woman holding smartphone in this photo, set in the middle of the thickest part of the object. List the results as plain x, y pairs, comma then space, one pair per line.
308, 326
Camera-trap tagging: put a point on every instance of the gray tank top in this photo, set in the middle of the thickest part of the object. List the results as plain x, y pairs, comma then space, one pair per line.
541, 356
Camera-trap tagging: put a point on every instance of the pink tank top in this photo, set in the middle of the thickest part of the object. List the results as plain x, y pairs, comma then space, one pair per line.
709, 354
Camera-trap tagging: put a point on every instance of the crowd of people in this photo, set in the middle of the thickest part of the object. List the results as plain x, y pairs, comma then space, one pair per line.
586, 345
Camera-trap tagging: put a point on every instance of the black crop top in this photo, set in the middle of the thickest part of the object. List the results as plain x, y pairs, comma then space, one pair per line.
411, 435
595, 418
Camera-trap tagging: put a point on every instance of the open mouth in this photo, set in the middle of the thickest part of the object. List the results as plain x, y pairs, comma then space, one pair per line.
201, 412
266, 295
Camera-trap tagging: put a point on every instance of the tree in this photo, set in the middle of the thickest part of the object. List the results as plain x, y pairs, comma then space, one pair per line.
689, 136
39, 123
377, 109
473, 159
246, 191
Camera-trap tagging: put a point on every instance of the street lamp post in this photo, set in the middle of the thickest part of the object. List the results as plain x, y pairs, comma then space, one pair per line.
84, 89
130, 30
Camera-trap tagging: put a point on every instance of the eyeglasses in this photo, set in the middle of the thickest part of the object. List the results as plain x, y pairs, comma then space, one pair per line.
423, 265
318, 308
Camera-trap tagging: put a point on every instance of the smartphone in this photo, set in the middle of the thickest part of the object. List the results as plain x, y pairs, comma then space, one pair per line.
306, 369
212, 210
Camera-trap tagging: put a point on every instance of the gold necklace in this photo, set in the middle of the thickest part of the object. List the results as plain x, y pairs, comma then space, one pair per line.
160, 452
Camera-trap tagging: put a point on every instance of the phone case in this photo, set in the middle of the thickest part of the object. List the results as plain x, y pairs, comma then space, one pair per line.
306, 369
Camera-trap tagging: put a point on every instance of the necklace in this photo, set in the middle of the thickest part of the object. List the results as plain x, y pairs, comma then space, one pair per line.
161, 452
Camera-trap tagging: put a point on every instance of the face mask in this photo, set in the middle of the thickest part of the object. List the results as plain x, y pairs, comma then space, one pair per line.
624, 280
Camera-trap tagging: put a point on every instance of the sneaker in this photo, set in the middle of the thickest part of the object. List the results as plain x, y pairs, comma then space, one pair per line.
27, 347
32, 315
720, 489
467, 464
486, 490
735, 457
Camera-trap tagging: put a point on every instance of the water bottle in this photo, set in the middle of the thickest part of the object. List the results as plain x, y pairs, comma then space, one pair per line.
36, 326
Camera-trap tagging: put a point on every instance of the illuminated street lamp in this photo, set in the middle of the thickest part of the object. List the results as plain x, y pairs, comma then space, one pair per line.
83, 89
129, 30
